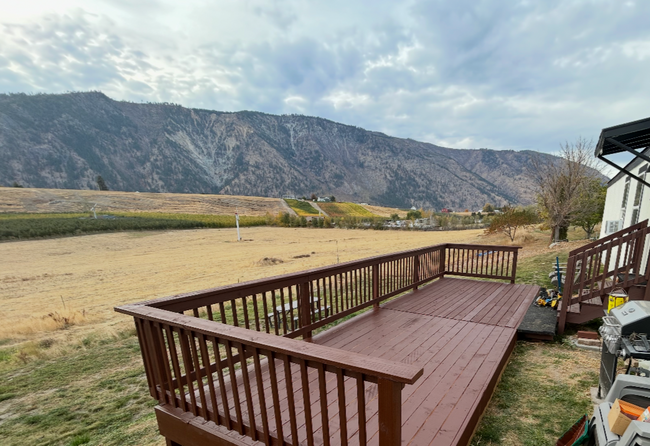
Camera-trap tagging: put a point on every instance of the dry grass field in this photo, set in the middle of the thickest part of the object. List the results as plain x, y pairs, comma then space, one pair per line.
15, 199
44, 281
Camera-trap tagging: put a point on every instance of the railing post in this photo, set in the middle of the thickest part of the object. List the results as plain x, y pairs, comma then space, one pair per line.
514, 266
416, 271
567, 292
390, 412
443, 260
375, 285
305, 308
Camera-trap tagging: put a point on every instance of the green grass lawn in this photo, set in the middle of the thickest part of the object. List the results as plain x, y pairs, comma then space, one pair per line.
96, 394
537, 400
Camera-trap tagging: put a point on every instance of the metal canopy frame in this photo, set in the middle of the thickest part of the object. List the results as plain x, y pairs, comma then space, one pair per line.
630, 137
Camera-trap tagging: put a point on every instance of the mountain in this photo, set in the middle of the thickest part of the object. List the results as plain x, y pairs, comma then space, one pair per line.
67, 140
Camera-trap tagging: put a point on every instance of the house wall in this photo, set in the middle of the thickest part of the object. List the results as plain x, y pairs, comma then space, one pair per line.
614, 203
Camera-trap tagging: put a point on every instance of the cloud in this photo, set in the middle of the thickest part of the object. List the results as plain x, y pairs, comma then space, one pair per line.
481, 73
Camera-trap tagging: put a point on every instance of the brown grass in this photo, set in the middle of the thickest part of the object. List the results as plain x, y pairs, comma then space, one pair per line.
19, 200
94, 273
83, 278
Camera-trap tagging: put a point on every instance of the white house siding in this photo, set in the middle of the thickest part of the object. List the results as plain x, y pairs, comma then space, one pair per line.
614, 202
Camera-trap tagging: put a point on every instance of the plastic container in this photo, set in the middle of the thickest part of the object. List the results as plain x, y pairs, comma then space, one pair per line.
617, 297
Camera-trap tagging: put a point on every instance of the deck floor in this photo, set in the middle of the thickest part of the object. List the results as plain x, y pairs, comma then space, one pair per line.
460, 331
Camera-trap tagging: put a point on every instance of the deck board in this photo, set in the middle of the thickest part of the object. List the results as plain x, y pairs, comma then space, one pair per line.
460, 331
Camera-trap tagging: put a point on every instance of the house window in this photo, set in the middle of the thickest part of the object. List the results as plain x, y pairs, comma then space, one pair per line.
625, 196
638, 197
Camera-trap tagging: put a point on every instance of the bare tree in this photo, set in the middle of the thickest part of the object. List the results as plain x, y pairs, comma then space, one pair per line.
560, 182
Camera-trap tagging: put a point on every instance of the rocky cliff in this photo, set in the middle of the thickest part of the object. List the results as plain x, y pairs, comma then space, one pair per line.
66, 141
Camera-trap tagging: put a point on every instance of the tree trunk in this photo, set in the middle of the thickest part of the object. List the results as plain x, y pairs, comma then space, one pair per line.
555, 234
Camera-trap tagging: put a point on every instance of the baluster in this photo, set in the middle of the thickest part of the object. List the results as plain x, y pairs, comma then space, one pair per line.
175, 365
306, 402
233, 383
247, 391
276, 397
322, 386
199, 378
343, 418
256, 312
262, 397
222, 382
361, 409
265, 305
290, 399
187, 365
211, 387
244, 302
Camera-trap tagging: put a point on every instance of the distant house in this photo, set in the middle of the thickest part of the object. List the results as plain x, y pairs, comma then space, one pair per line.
413, 208
446, 210
324, 199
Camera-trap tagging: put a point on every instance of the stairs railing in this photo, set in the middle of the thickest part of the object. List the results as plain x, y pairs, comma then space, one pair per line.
594, 270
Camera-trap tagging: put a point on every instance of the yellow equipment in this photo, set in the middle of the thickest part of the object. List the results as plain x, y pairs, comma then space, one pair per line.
617, 297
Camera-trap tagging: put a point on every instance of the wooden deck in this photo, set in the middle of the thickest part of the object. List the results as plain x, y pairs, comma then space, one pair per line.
418, 368
460, 331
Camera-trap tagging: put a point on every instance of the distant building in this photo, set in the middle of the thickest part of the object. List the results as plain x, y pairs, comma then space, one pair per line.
324, 199
446, 210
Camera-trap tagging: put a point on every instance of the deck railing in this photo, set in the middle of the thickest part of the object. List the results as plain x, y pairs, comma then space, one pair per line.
245, 373
595, 269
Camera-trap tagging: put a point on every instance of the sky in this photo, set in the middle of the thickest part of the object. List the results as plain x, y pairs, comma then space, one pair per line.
465, 74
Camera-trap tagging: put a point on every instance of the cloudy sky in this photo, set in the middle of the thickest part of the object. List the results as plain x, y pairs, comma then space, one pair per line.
482, 73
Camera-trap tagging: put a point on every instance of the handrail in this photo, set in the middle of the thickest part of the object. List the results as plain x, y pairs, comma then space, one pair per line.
595, 269
355, 362
295, 304
255, 383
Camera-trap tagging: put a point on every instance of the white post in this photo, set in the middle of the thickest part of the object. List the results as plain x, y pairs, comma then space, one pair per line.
237, 222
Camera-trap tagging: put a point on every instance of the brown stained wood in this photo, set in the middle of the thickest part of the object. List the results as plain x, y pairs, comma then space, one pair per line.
173, 353
199, 377
290, 400
427, 346
266, 438
407, 330
390, 413
247, 391
322, 388
234, 386
187, 365
343, 423
161, 369
211, 385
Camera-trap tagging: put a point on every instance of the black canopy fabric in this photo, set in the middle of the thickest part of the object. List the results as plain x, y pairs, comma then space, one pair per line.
632, 137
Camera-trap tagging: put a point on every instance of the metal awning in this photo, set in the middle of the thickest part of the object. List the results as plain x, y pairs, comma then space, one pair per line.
632, 137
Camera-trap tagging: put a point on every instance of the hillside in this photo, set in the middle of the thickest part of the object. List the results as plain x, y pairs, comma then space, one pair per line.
66, 141
19, 200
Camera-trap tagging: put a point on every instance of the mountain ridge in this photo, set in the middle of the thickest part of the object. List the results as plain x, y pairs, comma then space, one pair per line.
66, 140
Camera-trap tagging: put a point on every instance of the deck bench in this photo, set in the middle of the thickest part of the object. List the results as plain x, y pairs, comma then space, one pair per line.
419, 367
